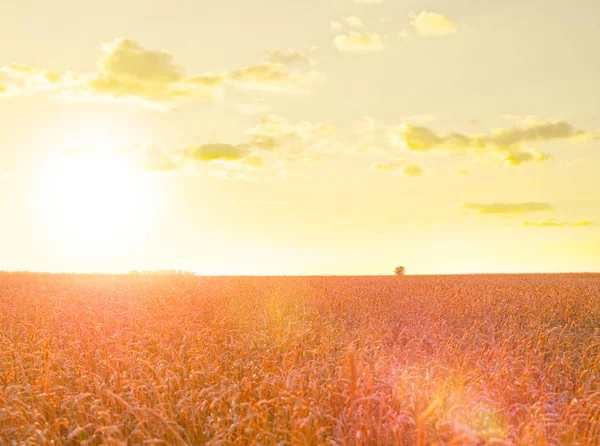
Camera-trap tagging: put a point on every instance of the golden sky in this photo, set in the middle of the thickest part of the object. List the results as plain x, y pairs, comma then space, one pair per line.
312, 137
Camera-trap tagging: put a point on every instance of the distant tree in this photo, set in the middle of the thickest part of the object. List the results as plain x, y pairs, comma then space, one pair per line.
399, 271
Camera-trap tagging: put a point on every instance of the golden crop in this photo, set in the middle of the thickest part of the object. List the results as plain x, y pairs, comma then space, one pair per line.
490, 359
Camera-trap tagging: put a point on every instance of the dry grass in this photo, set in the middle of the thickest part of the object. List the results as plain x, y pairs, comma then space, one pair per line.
412, 360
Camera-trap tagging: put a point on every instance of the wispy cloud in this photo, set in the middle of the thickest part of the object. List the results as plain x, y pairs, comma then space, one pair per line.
295, 140
276, 77
354, 22
507, 142
336, 26
289, 57
19, 79
458, 171
229, 159
401, 167
280, 140
506, 209
358, 42
552, 223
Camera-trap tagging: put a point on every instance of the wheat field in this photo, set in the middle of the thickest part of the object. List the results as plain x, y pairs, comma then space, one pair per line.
415, 360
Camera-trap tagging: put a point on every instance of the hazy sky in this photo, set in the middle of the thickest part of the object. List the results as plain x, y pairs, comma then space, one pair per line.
305, 137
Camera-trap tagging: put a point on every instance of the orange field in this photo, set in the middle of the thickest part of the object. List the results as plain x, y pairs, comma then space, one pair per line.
489, 359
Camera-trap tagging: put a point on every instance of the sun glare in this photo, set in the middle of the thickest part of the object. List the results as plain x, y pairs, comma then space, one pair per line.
94, 205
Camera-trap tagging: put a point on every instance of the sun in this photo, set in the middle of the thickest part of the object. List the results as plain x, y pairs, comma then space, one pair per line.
93, 205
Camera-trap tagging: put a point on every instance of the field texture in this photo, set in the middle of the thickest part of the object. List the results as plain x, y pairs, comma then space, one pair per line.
491, 359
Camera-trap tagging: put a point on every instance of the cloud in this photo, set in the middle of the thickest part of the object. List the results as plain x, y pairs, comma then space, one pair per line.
235, 162
420, 138
129, 72
336, 26
303, 140
432, 24
18, 79
262, 73
358, 42
289, 57
252, 160
516, 157
287, 141
275, 132
216, 152
128, 58
370, 136
535, 132
354, 22
506, 209
508, 142
273, 77
458, 171
404, 35
550, 222
401, 167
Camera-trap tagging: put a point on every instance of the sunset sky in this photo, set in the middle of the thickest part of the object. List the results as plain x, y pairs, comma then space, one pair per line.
305, 137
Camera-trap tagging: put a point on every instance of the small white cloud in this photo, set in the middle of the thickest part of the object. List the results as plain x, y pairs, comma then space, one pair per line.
336, 26
289, 57
458, 171
401, 167
354, 22
432, 24
404, 35
357, 42
301, 141
273, 77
